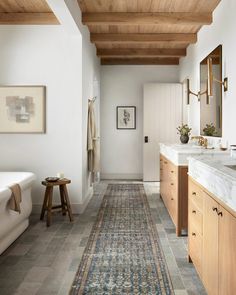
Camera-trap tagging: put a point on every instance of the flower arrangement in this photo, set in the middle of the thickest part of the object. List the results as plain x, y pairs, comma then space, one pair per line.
209, 130
184, 130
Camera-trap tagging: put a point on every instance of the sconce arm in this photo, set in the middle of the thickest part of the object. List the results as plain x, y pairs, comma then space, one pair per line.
223, 83
190, 92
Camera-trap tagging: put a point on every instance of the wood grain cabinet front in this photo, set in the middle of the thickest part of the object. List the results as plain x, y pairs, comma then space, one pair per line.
174, 192
210, 245
212, 241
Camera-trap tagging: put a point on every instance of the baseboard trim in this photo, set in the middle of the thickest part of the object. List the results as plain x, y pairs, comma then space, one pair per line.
79, 208
121, 176
76, 208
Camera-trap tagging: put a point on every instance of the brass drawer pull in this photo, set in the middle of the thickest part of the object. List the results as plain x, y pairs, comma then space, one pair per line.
172, 199
172, 171
194, 211
220, 214
215, 209
193, 234
172, 183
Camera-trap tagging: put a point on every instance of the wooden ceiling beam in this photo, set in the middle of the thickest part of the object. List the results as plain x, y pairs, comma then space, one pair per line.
144, 38
141, 52
133, 18
139, 61
28, 18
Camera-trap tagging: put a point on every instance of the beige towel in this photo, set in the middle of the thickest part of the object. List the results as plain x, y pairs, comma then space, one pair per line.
15, 200
93, 141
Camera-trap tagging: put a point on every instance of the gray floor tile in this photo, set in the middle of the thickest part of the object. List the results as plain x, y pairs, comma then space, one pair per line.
44, 260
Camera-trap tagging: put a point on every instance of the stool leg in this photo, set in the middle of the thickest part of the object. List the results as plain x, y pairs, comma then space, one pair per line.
49, 210
67, 202
63, 202
45, 201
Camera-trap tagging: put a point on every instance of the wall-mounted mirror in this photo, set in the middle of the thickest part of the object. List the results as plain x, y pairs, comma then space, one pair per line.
211, 106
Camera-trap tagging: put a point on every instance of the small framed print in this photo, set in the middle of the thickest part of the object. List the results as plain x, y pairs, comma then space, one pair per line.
22, 109
126, 117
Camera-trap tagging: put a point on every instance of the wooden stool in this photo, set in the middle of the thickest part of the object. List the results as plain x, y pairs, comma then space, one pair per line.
47, 203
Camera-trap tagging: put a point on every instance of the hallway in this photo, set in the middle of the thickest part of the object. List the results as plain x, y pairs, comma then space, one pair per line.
45, 260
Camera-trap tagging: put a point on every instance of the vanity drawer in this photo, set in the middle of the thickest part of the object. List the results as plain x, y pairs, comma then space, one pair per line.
161, 161
195, 216
195, 248
195, 195
173, 186
172, 171
172, 207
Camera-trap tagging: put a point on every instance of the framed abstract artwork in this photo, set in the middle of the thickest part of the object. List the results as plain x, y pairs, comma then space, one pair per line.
22, 109
126, 117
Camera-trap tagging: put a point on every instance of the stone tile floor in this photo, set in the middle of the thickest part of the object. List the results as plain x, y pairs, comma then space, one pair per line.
44, 260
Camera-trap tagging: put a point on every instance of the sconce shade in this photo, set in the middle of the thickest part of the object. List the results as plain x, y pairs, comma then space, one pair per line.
210, 77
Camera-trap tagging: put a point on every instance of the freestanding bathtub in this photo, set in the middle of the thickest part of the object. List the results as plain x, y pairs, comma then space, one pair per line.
12, 224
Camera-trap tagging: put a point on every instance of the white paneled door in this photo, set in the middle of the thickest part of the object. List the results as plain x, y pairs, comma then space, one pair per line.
162, 114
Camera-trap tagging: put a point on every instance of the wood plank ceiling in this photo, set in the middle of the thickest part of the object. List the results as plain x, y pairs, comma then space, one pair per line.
26, 12
144, 31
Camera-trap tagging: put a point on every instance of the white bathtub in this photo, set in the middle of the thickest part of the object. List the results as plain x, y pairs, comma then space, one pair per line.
12, 224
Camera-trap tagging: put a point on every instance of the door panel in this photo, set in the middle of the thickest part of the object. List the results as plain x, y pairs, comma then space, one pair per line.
227, 253
210, 245
162, 114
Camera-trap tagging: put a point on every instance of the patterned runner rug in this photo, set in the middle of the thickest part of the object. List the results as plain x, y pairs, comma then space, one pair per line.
123, 254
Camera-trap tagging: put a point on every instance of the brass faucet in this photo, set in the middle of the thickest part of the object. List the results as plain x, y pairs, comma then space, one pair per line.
201, 141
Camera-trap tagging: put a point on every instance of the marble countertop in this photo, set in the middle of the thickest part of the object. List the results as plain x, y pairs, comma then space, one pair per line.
179, 153
211, 172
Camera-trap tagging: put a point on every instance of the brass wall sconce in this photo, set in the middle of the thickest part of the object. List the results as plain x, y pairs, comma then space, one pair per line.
189, 92
198, 95
211, 79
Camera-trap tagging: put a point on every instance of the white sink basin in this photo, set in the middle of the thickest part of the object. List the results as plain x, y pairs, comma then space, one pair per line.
179, 153
231, 166
187, 146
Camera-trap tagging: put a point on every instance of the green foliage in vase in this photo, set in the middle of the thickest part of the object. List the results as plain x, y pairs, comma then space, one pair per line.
184, 129
209, 130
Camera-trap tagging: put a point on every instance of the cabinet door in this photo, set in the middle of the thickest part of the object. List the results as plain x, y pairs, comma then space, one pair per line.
210, 245
195, 247
227, 253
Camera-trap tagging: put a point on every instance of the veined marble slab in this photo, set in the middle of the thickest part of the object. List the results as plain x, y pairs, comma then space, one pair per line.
179, 153
211, 172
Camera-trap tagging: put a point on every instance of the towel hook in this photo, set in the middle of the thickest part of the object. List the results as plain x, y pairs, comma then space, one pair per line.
93, 98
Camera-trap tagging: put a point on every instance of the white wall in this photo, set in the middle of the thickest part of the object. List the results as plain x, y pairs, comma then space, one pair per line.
90, 84
45, 55
222, 31
121, 150
63, 59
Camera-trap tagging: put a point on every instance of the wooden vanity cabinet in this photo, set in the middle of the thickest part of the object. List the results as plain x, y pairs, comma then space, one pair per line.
210, 250
174, 192
214, 251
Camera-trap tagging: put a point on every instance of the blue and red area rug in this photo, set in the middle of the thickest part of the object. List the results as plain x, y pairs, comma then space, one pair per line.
123, 254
